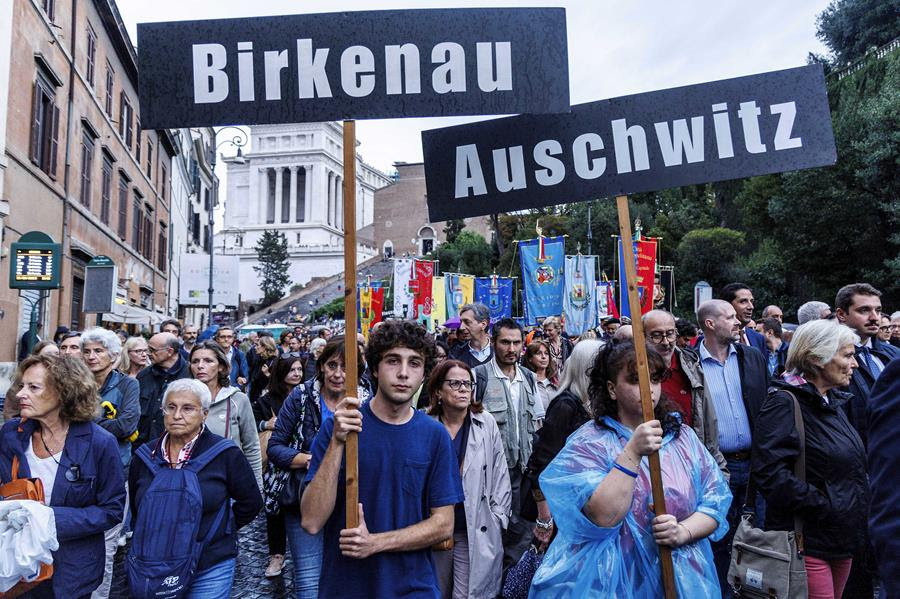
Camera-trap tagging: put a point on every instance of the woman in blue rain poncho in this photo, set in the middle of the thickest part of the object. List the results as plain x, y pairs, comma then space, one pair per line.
598, 488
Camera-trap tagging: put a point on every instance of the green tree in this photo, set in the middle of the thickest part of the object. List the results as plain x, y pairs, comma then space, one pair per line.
453, 228
469, 254
851, 27
709, 255
272, 270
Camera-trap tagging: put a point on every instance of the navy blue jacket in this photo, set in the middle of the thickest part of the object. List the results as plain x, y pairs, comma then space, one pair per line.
153, 381
756, 340
754, 380
239, 367
83, 508
124, 394
884, 464
861, 386
228, 477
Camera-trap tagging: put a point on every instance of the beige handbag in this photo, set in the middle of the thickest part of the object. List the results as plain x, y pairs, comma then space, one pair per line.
769, 563
264, 442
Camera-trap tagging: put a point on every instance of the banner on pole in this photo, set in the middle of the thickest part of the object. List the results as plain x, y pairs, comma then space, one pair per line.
403, 296
542, 262
460, 290
495, 293
579, 305
438, 302
728, 129
604, 297
424, 272
645, 266
370, 303
353, 65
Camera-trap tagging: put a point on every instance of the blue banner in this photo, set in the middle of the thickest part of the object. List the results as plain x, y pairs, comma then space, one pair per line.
496, 294
542, 263
579, 306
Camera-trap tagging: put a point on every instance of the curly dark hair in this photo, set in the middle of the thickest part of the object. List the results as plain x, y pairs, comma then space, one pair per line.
399, 333
613, 359
70, 379
224, 378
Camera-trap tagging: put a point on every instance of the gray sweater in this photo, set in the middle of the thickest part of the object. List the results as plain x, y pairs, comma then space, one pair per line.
243, 425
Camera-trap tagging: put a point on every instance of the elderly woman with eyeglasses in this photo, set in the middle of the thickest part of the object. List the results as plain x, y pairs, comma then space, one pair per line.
56, 440
120, 411
472, 566
227, 480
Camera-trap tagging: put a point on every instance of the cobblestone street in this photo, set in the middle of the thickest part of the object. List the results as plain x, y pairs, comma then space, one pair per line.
249, 582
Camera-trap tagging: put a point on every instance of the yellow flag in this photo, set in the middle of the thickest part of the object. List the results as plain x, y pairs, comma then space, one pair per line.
467, 285
438, 299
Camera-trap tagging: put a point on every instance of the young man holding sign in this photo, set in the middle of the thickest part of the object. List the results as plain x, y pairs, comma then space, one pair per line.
408, 479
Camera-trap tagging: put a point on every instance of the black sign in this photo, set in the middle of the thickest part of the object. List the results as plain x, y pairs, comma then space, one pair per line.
371, 64
35, 262
727, 129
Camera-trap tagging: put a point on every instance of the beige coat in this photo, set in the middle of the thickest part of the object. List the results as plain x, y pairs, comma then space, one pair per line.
485, 480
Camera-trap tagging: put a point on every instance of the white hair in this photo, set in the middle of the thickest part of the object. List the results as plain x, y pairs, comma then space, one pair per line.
192, 386
576, 376
811, 311
104, 337
895, 315
815, 344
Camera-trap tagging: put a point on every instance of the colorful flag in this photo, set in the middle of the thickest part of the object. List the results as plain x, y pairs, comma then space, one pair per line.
460, 290
424, 272
438, 301
404, 302
606, 302
579, 306
495, 293
542, 262
645, 265
369, 301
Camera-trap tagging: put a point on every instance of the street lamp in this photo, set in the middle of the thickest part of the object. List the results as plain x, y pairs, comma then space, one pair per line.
239, 140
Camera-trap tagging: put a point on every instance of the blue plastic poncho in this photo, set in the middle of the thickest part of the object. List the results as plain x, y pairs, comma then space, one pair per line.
586, 560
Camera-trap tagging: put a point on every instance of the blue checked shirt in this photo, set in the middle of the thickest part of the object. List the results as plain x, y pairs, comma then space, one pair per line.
724, 384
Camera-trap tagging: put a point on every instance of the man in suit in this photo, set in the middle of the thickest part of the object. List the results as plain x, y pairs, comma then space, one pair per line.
737, 381
741, 299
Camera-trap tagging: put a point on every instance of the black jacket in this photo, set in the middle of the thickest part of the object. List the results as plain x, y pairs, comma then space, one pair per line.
833, 501
461, 352
564, 415
228, 477
861, 384
754, 379
153, 381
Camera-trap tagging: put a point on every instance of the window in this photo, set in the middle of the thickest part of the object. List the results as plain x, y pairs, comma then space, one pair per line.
163, 181
48, 6
123, 204
162, 248
196, 226
87, 166
105, 190
137, 223
206, 238
149, 158
44, 127
110, 78
147, 245
137, 142
126, 115
91, 55
206, 199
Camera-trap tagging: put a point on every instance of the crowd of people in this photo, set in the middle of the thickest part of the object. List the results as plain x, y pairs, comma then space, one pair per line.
482, 450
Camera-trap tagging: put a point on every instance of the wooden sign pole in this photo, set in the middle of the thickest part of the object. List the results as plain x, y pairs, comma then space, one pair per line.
643, 369
351, 448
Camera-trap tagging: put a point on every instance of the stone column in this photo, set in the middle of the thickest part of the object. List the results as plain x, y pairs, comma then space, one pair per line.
262, 195
279, 173
330, 198
339, 194
292, 207
307, 193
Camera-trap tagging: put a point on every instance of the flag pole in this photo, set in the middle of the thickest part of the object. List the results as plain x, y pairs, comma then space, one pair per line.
643, 371
351, 448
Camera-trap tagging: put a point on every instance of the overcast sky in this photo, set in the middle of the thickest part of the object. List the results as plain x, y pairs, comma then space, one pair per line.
615, 48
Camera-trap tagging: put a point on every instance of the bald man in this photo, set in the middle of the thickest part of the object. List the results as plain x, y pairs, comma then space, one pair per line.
166, 365
684, 385
737, 380
624, 333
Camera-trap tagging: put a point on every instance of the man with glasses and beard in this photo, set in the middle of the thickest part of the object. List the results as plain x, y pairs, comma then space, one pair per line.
409, 479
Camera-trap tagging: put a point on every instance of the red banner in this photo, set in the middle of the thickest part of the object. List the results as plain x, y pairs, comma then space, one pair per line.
422, 275
646, 272
371, 302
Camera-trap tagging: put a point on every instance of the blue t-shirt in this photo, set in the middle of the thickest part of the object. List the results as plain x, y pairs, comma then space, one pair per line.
404, 471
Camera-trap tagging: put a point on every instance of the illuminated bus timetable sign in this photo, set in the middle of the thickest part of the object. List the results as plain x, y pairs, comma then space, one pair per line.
36, 262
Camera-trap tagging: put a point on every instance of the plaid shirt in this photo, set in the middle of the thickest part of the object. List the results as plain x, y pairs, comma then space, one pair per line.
184, 454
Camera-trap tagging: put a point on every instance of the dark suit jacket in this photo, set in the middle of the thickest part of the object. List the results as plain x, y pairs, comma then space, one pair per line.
756, 340
884, 463
754, 379
861, 386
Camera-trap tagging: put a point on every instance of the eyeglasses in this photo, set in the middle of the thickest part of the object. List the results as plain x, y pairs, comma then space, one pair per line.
456, 385
186, 411
885, 328
138, 351
658, 336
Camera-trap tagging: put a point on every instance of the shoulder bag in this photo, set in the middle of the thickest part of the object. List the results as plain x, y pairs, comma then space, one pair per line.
769, 563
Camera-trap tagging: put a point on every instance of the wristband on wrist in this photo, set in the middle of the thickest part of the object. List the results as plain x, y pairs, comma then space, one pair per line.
622, 468
690, 534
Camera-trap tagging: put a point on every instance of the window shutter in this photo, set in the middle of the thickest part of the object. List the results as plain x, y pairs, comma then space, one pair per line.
54, 143
36, 124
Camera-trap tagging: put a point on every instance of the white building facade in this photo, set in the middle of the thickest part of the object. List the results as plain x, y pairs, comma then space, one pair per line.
292, 181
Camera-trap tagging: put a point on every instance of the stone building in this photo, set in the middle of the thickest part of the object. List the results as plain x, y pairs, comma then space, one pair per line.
292, 181
401, 216
78, 167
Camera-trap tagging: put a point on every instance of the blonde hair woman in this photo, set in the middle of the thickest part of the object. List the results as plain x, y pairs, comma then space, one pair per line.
134, 357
